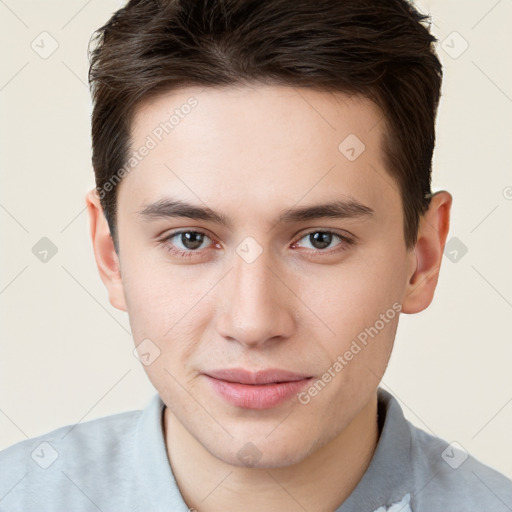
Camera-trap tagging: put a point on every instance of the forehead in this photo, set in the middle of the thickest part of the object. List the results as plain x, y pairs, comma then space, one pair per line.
267, 143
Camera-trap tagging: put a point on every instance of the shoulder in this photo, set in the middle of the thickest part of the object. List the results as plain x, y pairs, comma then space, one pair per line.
447, 477
88, 439
66, 461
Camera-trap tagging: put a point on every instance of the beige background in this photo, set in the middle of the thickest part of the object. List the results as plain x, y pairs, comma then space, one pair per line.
67, 354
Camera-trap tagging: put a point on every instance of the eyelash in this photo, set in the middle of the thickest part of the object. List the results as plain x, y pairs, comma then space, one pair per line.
346, 242
177, 252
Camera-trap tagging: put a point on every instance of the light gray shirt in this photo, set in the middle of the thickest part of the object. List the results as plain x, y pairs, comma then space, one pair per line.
119, 464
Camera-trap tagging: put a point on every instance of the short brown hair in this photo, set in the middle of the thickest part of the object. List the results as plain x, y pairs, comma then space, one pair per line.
380, 49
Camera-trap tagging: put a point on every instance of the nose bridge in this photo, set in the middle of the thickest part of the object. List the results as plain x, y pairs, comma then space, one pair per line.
257, 307
252, 280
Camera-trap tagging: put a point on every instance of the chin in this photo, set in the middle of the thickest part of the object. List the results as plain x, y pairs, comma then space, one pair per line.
285, 450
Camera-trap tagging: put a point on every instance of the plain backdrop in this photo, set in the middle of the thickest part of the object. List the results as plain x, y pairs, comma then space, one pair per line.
66, 353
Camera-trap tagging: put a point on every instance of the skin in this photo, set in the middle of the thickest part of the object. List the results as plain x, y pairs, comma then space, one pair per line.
249, 153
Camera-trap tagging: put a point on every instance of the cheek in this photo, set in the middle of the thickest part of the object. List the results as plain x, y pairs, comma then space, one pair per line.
350, 297
167, 306
157, 295
359, 307
161, 310
147, 299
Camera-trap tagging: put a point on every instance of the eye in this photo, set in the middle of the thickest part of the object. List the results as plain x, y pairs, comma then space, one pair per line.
190, 239
186, 243
322, 240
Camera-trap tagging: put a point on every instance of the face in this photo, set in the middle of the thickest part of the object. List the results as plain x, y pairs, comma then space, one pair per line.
263, 264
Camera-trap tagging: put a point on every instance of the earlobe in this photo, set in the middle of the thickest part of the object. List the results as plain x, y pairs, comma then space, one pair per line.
428, 251
105, 254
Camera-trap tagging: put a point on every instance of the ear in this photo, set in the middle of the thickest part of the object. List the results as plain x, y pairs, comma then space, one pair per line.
107, 259
428, 251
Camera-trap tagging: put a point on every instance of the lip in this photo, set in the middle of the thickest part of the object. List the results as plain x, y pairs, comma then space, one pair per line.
263, 389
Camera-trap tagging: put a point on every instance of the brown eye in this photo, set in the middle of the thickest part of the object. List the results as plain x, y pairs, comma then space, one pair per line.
320, 239
324, 242
191, 239
187, 243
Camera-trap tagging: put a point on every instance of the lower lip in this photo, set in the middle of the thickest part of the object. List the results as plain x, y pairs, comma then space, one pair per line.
264, 396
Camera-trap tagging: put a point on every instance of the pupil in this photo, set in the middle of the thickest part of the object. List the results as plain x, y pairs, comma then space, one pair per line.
192, 240
320, 240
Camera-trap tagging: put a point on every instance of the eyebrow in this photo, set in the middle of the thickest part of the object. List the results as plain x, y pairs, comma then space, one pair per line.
339, 209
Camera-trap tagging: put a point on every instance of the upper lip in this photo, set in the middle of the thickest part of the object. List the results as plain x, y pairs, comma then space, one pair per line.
269, 376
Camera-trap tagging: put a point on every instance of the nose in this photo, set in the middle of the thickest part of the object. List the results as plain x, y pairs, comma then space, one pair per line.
258, 306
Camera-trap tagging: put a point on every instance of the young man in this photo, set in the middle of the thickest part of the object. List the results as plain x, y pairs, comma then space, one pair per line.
263, 213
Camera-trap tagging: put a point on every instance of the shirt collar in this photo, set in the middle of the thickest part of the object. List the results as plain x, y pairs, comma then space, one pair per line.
152, 463
386, 482
389, 477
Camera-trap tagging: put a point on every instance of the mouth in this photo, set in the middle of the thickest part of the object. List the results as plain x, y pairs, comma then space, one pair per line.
263, 389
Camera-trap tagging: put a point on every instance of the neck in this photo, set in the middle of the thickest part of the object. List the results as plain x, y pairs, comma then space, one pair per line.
320, 482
